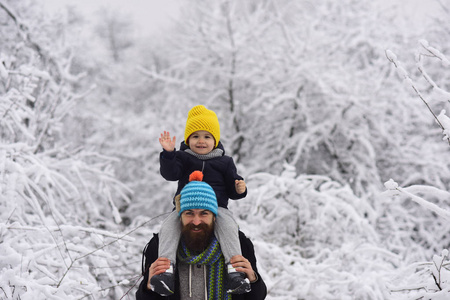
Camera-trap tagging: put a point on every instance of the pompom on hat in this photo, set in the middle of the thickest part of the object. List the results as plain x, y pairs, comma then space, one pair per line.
197, 195
201, 118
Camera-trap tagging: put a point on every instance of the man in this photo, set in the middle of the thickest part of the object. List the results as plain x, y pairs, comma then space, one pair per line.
200, 264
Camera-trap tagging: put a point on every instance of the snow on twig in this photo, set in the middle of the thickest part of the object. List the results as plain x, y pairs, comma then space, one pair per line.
403, 73
392, 185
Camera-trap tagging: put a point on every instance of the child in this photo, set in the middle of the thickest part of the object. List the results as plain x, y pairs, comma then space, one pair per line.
202, 151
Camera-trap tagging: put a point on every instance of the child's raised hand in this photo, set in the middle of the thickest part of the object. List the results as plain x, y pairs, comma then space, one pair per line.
240, 186
166, 142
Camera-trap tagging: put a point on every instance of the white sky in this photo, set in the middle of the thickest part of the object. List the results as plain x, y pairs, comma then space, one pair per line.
152, 15
149, 15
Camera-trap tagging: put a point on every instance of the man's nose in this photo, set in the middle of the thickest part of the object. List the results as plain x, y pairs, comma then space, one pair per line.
196, 220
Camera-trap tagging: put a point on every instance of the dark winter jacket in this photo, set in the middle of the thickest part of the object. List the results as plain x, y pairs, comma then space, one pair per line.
258, 292
219, 172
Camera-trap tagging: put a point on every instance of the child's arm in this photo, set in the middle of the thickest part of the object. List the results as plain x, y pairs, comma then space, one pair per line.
235, 184
170, 166
166, 142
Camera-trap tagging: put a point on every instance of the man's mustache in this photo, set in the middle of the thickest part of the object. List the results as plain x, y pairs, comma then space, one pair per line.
190, 226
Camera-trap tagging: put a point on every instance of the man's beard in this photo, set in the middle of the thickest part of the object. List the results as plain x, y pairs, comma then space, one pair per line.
197, 241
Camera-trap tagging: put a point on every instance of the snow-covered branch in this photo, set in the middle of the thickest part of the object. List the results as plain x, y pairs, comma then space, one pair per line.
404, 74
431, 192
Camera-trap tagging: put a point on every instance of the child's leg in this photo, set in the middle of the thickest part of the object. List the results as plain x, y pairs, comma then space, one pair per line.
169, 237
227, 232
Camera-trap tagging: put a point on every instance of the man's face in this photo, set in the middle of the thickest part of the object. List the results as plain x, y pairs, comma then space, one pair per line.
197, 228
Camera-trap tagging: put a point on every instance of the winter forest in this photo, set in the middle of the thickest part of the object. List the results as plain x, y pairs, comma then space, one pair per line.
335, 112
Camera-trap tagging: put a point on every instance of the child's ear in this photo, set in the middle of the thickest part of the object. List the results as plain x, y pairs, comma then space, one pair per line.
177, 202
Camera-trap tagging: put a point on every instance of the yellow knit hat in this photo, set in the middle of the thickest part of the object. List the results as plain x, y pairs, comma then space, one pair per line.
201, 118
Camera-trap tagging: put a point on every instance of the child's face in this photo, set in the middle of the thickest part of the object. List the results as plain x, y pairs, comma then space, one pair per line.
201, 142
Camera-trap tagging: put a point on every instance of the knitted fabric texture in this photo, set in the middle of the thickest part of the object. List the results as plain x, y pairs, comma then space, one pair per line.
215, 263
198, 195
215, 153
201, 118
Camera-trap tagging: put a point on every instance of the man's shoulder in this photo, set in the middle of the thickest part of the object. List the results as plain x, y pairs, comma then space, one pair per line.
155, 238
243, 238
242, 235
152, 244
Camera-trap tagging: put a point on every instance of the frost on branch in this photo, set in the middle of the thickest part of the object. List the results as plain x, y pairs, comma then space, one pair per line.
391, 56
444, 120
418, 193
434, 53
57, 204
391, 184
426, 280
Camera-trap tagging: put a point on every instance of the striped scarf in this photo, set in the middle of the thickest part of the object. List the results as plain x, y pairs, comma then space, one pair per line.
213, 259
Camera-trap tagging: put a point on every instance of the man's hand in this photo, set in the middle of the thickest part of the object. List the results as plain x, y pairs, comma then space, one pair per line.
157, 267
166, 142
240, 186
241, 264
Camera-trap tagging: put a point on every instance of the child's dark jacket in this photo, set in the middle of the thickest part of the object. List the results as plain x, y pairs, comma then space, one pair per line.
219, 172
258, 292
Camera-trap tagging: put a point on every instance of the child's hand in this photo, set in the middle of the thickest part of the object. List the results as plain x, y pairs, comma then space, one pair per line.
166, 142
240, 186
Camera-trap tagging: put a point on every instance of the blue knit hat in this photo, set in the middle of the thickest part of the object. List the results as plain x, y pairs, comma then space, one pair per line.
198, 195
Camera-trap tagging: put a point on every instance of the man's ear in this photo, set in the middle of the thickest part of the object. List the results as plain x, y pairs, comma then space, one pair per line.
177, 202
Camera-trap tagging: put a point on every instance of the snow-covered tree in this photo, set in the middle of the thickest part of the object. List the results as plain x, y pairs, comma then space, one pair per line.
322, 96
310, 105
310, 86
60, 228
